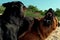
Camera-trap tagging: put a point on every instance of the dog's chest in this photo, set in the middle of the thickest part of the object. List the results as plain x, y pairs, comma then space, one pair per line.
14, 24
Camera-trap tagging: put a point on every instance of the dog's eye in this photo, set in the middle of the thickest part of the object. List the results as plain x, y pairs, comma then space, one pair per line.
14, 6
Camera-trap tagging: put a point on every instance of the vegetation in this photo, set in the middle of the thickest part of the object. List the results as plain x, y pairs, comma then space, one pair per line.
32, 9
2, 9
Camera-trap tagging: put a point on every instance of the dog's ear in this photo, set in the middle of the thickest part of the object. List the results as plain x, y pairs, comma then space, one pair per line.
6, 4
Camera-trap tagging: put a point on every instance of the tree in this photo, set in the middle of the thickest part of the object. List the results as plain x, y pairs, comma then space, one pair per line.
41, 12
2, 9
57, 12
32, 8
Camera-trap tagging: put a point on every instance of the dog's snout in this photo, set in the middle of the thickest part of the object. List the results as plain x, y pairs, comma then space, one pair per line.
49, 14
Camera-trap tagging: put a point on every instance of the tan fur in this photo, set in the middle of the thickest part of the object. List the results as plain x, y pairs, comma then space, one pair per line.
42, 32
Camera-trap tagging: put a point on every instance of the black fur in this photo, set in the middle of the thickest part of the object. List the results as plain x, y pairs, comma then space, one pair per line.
11, 20
48, 19
25, 26
35, 25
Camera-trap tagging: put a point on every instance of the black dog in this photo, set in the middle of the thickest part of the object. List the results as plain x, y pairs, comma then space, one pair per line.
13, 20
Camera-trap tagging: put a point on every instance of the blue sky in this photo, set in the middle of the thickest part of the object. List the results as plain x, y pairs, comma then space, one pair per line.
40, 4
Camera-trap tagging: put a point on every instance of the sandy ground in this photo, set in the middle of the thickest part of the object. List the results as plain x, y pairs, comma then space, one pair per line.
55, 35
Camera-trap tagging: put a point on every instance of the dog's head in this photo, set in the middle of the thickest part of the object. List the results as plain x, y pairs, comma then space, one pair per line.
14, 8
48, 19
50, 13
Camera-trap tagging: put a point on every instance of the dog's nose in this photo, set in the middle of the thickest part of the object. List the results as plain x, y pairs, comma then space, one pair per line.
49, 14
